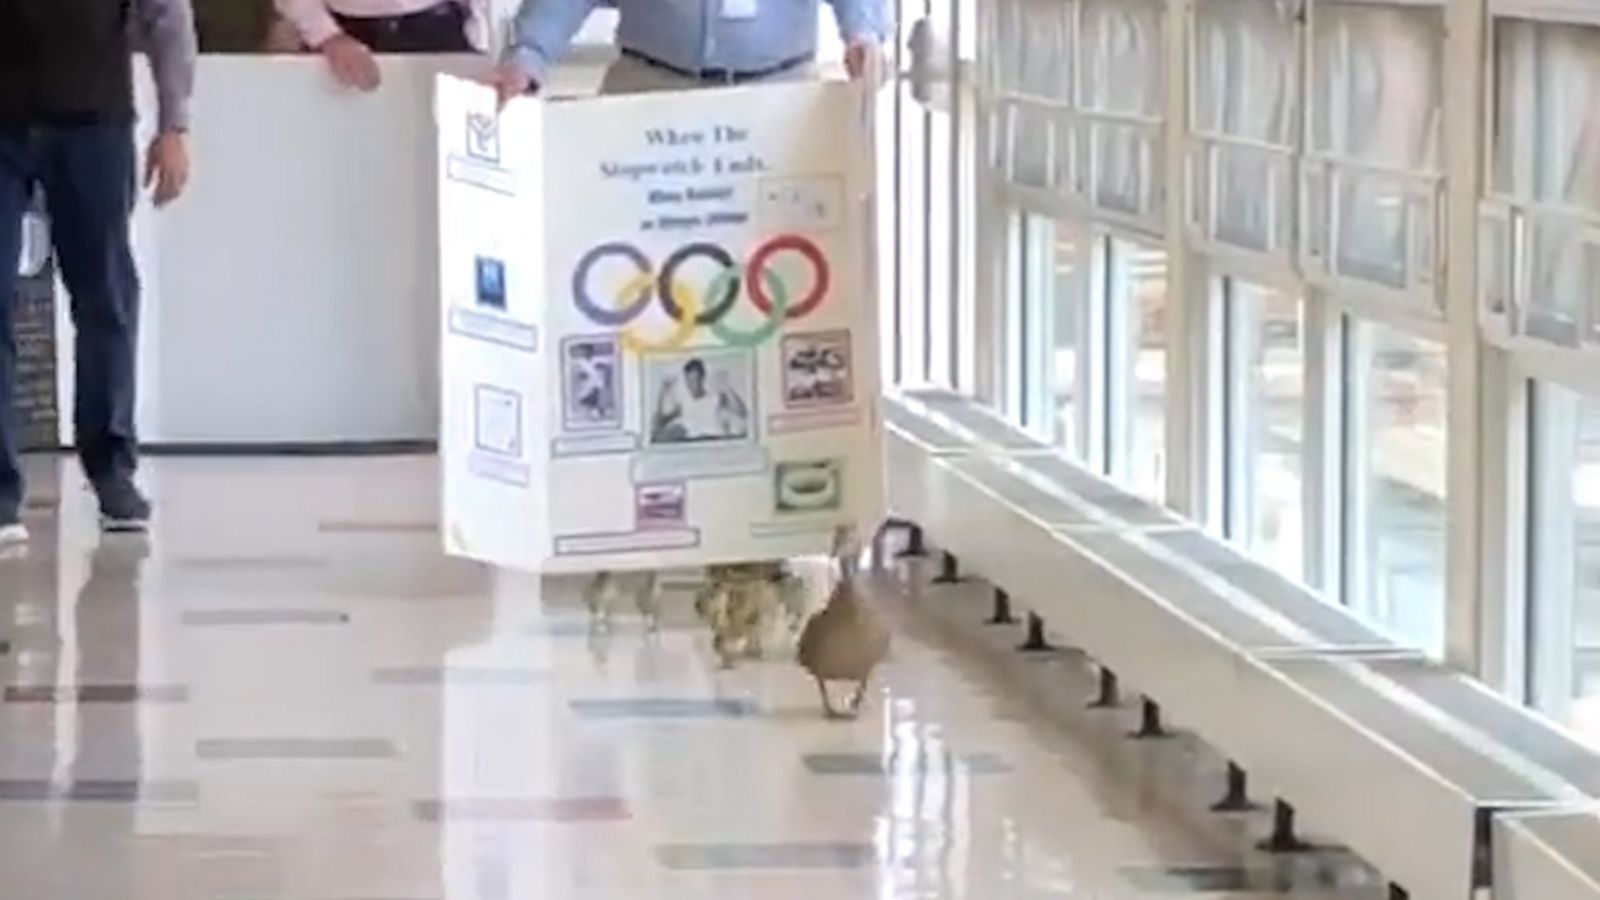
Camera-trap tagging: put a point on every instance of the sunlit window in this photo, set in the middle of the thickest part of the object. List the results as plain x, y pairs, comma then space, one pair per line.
1376, 106
1585, 634
1564, 549
1266, 429
1397, 444
1138, 300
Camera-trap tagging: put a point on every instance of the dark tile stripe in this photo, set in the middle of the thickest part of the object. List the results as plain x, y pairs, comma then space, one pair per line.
568, 810
924, 764
361, 527
1332, 874
249, 563
659, 708
427, 676
98, 791
295, 749
97, 693
704, 857
211, 618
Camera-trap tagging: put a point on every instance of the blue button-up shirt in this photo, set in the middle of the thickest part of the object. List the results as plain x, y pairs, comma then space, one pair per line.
693, 35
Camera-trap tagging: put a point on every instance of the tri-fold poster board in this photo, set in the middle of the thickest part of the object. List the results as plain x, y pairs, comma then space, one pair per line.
660, 340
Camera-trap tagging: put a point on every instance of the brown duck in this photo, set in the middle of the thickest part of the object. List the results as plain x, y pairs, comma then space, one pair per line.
846, 640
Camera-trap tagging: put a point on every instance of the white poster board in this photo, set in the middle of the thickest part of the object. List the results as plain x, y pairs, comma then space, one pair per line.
660, 329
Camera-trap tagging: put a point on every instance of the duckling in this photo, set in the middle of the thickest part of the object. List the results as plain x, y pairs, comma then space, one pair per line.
601, 591
733, 603
846, 640
647, 597
597, 597
794, 598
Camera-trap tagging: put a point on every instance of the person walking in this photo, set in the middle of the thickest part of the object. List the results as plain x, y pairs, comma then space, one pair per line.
66, 127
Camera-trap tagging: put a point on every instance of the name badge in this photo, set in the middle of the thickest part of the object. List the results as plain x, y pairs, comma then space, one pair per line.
740, 9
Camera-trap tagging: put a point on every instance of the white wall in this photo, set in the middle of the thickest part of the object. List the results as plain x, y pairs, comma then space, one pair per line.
292, 295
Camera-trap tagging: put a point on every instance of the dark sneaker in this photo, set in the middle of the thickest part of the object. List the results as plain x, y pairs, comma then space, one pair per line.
122, 507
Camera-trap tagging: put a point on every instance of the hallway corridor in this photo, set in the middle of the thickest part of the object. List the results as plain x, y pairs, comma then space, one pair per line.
289, 694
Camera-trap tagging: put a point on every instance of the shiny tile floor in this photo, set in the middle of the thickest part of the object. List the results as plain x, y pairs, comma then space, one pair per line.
287, 693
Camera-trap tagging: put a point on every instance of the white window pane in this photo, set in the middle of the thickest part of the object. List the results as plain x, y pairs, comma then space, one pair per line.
1031, 140
1253, 202
1046, 48
1245, 70
910, 265
1269, 463
1564, 263
1069, 337
1547, 113
1127, 168
1123, 68
967, 13
1376, 74
941, 239
1139, 304
1376, 102
1585, 635
1399, 440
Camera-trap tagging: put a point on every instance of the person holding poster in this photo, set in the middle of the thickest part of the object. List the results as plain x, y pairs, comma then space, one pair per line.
67, 126
348, 32
679, 45
683, 44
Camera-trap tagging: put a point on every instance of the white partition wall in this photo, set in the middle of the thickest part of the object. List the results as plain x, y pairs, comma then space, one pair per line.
290, 297
292, 289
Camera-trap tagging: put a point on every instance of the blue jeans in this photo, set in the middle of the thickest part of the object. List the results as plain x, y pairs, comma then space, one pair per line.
90, 178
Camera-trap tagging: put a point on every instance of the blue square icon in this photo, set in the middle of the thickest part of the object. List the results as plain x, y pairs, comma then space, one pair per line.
491, 283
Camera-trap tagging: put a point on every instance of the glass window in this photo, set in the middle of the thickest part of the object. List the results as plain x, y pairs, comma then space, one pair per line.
1397, 444
1376, 104
1122, 57
1266, 431
1565, 558
1071, 343
1021, 359
1547, 113
913, 216
1138, 300
1246, 83
1245, 70
1585, 634
1547, 155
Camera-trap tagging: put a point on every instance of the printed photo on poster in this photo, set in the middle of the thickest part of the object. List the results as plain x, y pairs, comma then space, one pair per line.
661, 505
497, 421
699, 398
817, 369
591, 375
809, 486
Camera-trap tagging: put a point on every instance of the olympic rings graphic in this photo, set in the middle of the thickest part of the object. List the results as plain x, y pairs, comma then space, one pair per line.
764, 332
729, 287
681, 332
768, 291
813, 255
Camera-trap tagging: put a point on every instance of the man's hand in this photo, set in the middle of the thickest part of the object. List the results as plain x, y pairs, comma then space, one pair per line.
352, 63
863, 59
511, 82
166, 167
